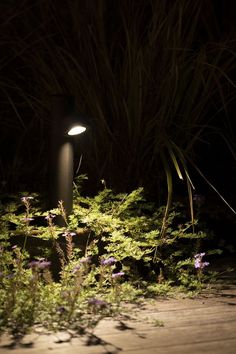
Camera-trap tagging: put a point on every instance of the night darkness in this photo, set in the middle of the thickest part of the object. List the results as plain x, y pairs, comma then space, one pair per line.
133, 79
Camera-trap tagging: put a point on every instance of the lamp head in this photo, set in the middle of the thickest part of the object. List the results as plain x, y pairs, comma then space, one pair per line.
75, 125
76, 130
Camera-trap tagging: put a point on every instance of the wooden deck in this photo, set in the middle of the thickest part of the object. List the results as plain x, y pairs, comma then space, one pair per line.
206, 324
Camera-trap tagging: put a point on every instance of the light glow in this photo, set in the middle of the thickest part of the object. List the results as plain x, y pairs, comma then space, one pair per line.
77, 129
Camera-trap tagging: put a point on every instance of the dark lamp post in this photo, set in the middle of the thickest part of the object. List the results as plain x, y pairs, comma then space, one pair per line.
65, 125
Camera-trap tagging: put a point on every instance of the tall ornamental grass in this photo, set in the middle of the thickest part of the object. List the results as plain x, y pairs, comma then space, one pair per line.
150, 75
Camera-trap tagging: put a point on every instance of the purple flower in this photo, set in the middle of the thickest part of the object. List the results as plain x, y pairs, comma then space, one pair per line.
25, 199
41, 264
118, 275
97, 302
76, 268
10, 276
199, 255
109, 261
14, 247
85, 260
198, 263
50, 216
44, 264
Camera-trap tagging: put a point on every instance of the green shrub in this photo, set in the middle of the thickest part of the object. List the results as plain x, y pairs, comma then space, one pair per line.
111, 250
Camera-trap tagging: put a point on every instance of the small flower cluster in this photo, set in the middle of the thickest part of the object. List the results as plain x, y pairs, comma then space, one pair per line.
76, 268
50, 217
26, 199
97, 303
198, 263
85, 260
26, 202
83, 263
40, 264
108, 262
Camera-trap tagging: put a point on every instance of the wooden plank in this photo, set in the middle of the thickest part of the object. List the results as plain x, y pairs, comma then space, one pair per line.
216, 347
206, 325
168, 336
138, 339
153, 321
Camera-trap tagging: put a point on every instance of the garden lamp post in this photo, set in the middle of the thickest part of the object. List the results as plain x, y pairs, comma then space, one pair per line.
65, 124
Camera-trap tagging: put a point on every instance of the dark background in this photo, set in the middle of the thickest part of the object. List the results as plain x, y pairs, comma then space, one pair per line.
34, 32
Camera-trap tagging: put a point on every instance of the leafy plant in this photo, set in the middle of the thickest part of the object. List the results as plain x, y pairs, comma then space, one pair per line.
123, 257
